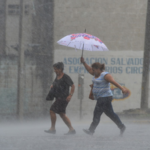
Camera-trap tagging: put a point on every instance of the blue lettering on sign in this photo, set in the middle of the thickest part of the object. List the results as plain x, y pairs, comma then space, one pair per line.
70, 69
114, 70
77, 69
131, 61
73, 64
137, 61
105, 61
102, 60
134, 61
117, 61
65, 61
127, 70
122, 61
92, 60
69, 61
134, 70
87, 61
128, 61
74, 61
120, 70
112, 61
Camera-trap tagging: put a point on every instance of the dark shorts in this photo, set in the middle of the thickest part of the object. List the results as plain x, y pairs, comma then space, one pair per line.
59, 106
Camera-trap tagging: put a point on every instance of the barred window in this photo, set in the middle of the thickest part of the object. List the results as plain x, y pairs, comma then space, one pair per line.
26, 9
14, 9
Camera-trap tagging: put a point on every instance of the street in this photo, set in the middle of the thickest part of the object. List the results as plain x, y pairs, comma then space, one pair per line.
30, 135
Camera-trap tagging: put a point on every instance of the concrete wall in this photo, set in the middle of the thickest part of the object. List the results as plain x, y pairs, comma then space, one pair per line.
120, 24
12, 26
2, 26
33, 98
37, 44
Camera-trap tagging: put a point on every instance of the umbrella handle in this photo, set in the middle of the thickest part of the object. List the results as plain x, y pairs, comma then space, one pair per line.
82, 50
82, 53
83, 45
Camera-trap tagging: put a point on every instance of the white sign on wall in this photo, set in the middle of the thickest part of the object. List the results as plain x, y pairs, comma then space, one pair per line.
125, 66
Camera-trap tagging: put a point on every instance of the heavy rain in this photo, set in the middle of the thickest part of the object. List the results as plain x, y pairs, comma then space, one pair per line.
74, 74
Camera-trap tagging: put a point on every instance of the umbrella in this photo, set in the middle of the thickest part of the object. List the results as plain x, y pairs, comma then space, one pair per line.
83, 41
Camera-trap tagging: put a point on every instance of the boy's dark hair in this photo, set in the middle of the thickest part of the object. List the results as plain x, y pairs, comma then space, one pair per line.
59, 65
97, 65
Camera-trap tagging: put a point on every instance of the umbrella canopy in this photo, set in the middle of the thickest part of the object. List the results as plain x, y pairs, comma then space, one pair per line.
83, 41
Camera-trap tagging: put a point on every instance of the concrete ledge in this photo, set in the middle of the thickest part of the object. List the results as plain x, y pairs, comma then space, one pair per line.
136, 115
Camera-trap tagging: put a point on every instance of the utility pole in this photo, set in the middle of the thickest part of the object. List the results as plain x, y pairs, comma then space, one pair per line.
80, 91
20, 94
145, 76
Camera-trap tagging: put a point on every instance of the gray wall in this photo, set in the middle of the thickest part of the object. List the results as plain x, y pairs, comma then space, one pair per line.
2, 26
37, 44
34, 103
120, 24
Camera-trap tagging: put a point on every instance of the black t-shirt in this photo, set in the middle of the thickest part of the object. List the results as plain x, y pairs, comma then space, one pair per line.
61, 86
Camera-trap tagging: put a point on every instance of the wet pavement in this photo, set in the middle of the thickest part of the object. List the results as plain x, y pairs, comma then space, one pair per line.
30, 135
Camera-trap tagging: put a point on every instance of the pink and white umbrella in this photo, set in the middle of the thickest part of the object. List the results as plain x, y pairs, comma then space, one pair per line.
83, 41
